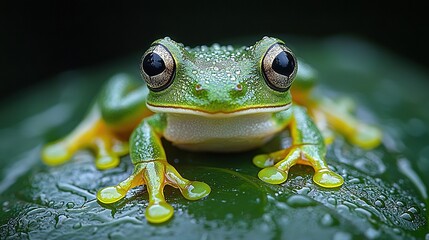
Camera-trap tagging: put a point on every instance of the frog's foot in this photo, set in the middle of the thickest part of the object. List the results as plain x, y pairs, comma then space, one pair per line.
155, 175
365, 136
93, 133
276, 166
339, 116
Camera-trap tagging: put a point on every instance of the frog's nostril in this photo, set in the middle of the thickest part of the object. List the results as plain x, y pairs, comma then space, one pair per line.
238, 87
198, 87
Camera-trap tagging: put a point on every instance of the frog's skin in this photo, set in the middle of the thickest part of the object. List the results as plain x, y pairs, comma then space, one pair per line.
216, 98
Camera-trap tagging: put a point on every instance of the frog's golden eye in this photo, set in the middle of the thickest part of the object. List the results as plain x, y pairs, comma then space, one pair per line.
279, 67
158, 67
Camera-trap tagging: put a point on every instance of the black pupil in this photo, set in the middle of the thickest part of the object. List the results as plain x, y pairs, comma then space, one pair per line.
153, 64
284, 64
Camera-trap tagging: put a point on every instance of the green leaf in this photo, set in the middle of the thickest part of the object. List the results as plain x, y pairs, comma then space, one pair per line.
384, 195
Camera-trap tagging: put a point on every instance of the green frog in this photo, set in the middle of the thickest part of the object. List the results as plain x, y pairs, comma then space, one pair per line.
214, 99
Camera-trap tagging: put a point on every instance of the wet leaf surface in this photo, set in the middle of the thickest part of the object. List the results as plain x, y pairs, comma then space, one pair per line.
384, 195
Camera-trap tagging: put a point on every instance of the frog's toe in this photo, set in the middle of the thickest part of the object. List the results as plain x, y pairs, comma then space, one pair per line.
159, 212
104, 162
196, 190
327, 178
272, 175
56, 153
263, 160
110, 194
108, 151
191, 190
366, 136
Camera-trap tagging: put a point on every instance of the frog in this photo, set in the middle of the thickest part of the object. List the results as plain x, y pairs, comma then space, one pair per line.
211, 99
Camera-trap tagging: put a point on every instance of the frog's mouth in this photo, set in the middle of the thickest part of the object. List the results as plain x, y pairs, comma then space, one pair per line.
218, 114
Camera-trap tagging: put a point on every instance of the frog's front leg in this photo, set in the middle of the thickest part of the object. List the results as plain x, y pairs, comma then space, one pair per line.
307, 148
106, 128
153, 170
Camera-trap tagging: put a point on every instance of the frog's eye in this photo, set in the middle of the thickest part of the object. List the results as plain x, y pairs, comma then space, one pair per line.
279, 66
158, 68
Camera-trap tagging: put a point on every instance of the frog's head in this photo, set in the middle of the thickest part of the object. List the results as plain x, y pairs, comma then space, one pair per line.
218, 80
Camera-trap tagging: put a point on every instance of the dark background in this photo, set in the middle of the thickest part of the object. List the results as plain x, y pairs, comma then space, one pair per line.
39, 40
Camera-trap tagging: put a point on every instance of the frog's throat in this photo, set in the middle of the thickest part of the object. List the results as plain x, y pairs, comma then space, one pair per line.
218, 114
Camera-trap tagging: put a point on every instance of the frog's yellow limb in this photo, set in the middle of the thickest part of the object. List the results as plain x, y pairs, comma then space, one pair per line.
92, 133
278, 173
120, 108
153, 170
340, 118
332, 115
308, 148
155, 175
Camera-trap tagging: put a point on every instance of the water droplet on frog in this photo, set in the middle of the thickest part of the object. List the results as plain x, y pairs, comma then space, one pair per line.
216, 68
400, 204
194, 71
379, 203
232, 78
237, 72
216, 46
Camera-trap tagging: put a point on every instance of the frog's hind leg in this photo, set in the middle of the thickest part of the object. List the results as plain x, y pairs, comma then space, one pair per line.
118, 110
329, 114
92, 133
339, 115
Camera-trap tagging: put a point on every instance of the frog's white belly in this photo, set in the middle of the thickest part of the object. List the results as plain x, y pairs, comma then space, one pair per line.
237, 133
